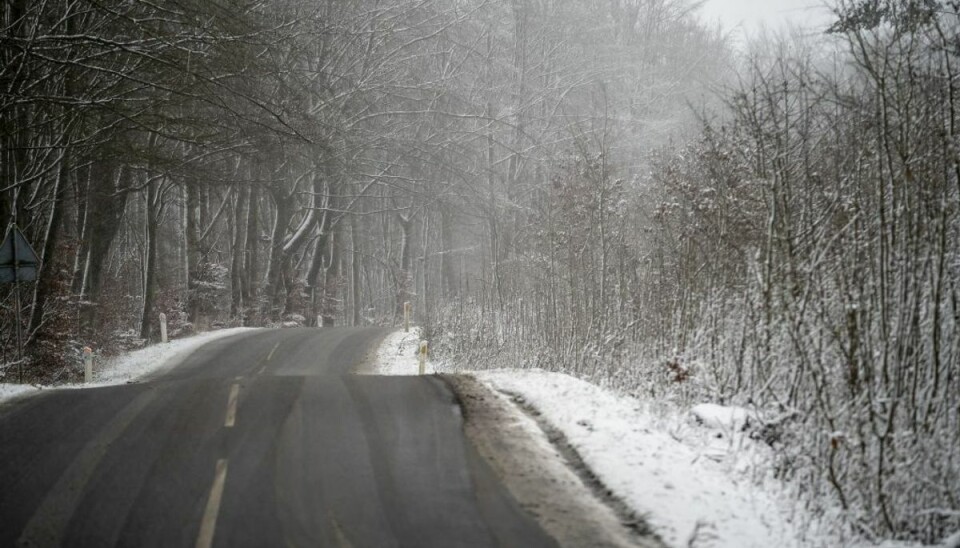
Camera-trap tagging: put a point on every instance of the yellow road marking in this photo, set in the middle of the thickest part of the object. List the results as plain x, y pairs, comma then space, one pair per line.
232, 406
209, 523
270, 355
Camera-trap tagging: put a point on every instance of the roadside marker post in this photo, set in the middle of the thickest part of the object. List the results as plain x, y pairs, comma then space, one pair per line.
163, 327
424, 350
406, 316
87, 364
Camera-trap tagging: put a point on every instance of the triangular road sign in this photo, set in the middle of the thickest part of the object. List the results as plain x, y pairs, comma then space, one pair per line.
18, 260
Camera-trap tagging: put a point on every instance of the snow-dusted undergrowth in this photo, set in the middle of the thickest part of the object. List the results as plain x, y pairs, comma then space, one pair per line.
132, 365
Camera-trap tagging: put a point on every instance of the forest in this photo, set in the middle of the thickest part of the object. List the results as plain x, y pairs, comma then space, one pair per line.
608, 188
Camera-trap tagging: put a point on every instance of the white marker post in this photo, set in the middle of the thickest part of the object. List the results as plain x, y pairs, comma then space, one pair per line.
424, 350
406, 316
87, 364
163, 327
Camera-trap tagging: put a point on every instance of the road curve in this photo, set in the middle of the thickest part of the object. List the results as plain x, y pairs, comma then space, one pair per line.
260, 439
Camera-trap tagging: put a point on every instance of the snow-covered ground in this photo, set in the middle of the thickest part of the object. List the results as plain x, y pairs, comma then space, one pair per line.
665, 470
10, 391
691, 473
133, 365
154, 358
398, 354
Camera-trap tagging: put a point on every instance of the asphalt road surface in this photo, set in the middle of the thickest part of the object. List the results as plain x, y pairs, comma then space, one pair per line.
260, 439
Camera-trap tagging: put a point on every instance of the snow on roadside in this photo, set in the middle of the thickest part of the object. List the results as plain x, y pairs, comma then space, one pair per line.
696, 478
133, 365
397, 354
9, 391
687, 497
694, 474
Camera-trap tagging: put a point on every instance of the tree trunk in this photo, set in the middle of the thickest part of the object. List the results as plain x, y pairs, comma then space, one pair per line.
82, 230
51, 240
239, 244
331, 288
406, 251
355, 271
192, 236
318, 263
252, 255
275, 263
105, 206
447, 256
425, 269
320, 260
150, 260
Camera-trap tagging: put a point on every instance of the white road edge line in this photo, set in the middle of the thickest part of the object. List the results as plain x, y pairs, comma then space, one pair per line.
209, 523
232, 406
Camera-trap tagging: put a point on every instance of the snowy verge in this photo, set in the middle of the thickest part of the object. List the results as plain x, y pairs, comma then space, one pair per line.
397, 354
678, 485
677, 488
693, 474
139, 363
132, 365
530, 465
9, 391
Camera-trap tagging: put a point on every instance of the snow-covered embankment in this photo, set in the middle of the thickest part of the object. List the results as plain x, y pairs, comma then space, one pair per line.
132, 365
691, 474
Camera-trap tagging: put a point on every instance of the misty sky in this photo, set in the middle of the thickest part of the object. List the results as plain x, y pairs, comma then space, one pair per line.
751, 14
